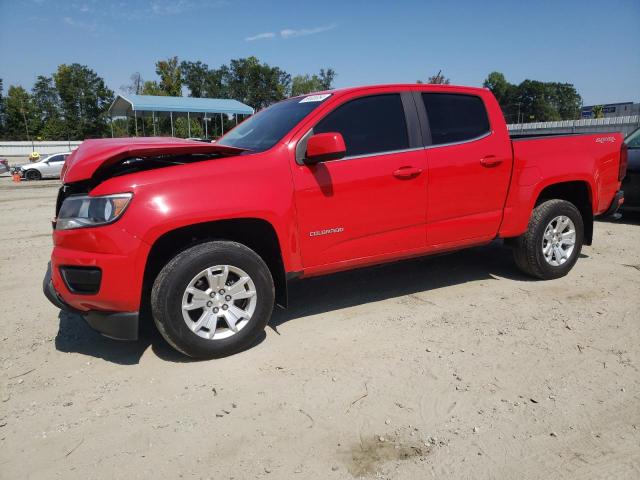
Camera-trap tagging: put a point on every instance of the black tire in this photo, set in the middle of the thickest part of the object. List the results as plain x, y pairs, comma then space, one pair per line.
527, 251
171, 282
32, 175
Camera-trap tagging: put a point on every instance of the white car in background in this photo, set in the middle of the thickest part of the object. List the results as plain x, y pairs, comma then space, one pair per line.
48, 167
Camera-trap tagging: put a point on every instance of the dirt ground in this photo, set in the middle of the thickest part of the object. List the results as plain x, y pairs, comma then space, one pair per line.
449, 367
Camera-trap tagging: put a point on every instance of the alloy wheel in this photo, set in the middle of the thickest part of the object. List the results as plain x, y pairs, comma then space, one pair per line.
219, 301
559, 240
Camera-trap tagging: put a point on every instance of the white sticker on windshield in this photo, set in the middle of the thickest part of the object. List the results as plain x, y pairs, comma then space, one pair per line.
315, 98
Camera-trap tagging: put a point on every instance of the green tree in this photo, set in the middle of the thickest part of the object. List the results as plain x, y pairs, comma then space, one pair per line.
47, 105
534, 101
506, 93
170, 75
204, 82
151, 87
533, 97
21, 119
195, 75
84, 101
597, 111
327, 77
438, 79
254, 83
565, 99
181, 126
501, 89
214, 84
302, 84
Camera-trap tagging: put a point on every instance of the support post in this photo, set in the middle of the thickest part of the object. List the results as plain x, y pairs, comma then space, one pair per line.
189, 124
153, 119
135, 120
171, 116
111, 123
222, 122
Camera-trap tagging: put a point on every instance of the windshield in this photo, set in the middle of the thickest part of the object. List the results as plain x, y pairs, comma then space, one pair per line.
263, 130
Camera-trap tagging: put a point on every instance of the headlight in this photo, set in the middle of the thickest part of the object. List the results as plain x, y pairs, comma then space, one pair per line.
80, 211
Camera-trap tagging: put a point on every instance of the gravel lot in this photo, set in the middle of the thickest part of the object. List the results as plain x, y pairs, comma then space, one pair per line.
449, 367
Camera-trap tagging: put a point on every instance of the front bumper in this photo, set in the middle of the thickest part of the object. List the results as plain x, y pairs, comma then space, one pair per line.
117, 325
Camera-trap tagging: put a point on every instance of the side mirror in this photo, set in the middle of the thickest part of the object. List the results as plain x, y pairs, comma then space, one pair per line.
323, 147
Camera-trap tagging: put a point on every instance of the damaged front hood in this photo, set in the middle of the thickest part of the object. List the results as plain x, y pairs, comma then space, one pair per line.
94, 155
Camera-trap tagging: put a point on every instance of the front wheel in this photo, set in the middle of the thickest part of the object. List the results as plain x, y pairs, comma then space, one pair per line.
213, 299
552, 243
32, 175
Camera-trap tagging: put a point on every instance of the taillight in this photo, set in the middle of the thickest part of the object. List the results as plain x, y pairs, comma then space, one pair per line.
624, 159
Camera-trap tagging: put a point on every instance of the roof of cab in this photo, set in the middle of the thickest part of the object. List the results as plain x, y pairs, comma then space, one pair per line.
400, 87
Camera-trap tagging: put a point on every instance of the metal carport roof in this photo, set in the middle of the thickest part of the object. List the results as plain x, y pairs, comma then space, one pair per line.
123, 106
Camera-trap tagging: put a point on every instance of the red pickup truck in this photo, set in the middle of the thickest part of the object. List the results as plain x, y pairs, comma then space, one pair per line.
206, 237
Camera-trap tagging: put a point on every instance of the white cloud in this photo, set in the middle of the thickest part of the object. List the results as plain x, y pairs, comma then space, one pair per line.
170, 8
260, 36
290, 33
91, 27
176, 7
303, 32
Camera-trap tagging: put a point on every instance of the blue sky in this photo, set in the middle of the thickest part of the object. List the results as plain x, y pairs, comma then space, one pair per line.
593, 44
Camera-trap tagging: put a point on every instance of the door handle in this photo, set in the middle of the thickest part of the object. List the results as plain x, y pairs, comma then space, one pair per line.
490, 161
407, 172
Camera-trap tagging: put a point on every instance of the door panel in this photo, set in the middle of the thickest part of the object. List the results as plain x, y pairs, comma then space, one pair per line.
469, 170
47, 168
357, 208
372, 202
56, 168
465, 196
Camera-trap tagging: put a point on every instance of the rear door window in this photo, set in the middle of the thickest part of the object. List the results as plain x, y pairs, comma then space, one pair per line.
454, 117
369, 125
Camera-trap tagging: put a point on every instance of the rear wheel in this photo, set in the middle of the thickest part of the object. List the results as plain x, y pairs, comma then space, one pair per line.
213, 299
553, 241
32, 175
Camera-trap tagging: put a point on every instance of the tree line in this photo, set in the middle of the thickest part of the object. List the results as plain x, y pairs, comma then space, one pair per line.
73, 102
68, 105
246, 80
534, 101
530, 100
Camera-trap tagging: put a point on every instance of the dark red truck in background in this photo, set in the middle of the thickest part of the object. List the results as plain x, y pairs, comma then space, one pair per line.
207, 236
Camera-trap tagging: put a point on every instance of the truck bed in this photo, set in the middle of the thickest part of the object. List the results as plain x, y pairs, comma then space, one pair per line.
538, 157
